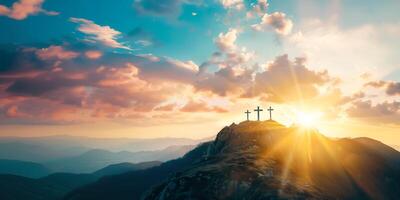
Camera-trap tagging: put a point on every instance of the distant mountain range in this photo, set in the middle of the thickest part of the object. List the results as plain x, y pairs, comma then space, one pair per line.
81, 144
85, 155
133, 185
96, 159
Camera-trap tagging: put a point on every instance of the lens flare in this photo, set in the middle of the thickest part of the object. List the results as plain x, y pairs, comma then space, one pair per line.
308, 119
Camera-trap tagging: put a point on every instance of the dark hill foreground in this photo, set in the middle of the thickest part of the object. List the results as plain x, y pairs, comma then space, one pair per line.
263, 160
57, 185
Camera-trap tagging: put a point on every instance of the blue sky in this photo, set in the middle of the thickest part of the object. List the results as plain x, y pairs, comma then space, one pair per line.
177, 31
134, 66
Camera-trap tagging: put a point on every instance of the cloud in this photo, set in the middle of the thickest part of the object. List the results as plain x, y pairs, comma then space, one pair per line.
201, 106
225, 81
161, 8
103, 34
233, 75
114, 85
226, 42
286, 81
232, 4
391, 88
39, 111
144, 43
386, 112
258, 9
276, 21
56, 52
23, 8
230, 54
346, 53
93, 54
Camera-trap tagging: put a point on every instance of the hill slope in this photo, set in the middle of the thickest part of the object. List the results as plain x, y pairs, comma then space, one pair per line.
23, 168
56, 186
262, 160
124, 167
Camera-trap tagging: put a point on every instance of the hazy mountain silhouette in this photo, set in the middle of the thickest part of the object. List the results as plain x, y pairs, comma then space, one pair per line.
132, 185
96, 159
18, 150
23, 168
263, 160
124, 167
55, 186
79, 145
86, 155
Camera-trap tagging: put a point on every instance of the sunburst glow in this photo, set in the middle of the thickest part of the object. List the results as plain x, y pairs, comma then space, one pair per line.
308, 119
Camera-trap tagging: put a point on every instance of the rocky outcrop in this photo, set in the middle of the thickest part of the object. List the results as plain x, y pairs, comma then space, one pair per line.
265, 160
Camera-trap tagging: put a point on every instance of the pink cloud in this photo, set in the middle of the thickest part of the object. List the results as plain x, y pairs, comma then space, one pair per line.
201, 106
56, 52
93, 54
23, 8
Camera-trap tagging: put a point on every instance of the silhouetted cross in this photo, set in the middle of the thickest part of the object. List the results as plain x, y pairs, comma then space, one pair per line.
258, 110
270, 112
247, 113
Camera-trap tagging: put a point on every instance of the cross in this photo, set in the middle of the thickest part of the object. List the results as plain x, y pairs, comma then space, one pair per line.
247, 113
258, 110
270, 112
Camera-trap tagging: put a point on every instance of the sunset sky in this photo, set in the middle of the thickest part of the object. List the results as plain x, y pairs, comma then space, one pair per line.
186, 68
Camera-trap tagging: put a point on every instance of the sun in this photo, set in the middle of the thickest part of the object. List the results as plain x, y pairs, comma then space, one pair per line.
308, 119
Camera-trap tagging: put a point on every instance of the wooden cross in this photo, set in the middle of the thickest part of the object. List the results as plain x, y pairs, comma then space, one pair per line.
258, 110
270, 112
247, 113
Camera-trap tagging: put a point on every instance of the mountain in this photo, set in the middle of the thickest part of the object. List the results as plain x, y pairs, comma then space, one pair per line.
52, 187
77, 144
263, 160
56, 186
132, 185
34, 152
125, 167
22, 168
96, 159
391, 155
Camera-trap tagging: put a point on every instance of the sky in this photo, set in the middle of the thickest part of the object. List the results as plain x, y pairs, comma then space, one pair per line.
186, 68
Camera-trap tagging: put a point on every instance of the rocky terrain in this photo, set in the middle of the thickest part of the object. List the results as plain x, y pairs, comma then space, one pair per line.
265, 160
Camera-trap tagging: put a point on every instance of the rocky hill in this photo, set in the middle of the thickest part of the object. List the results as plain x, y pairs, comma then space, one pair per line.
263, 160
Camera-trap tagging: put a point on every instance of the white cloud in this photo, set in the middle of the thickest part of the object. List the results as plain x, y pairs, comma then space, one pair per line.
276, 21
346, 53
103, 34
258, 9
234, 4
226, 42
